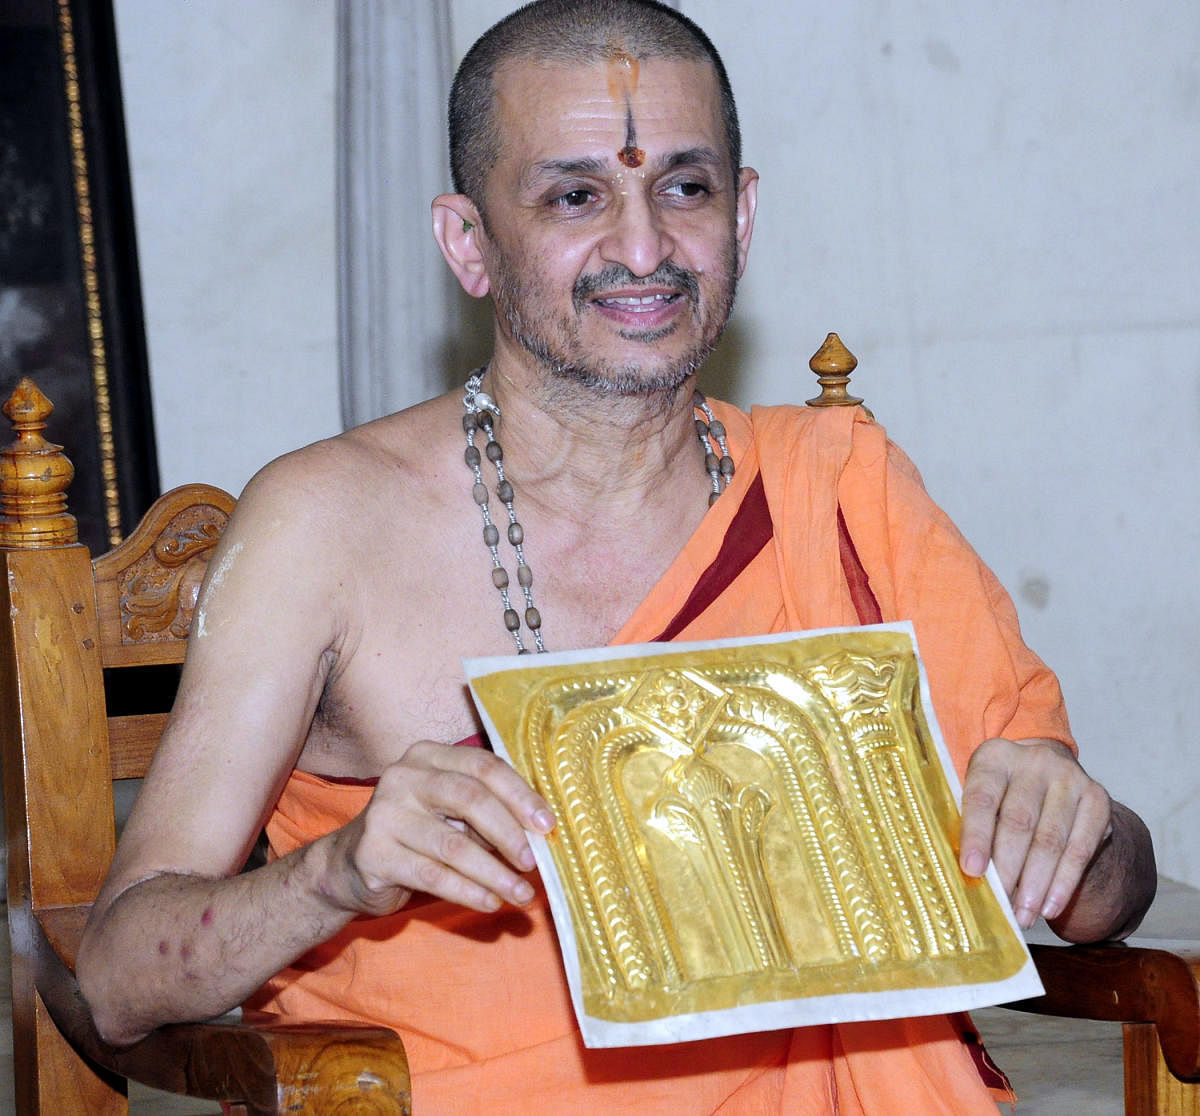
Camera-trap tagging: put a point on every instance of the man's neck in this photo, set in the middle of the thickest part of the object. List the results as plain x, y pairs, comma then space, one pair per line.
574, 448
607, 490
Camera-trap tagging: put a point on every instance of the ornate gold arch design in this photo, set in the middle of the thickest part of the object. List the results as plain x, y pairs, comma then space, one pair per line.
753, 823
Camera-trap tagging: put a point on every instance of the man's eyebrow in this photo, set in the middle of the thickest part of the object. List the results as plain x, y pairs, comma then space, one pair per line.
702, 156
692, 156
551, 168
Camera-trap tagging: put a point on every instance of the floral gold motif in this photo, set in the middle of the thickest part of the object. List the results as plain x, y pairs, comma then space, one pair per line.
752, 823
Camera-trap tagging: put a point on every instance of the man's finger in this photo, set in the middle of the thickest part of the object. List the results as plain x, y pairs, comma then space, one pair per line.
1044, 853
480, 789
528, 807
412, 849
436, 878
1092, 827
1029, 836
983, 792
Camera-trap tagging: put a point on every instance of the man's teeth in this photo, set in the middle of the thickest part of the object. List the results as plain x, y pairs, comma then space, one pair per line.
645, 300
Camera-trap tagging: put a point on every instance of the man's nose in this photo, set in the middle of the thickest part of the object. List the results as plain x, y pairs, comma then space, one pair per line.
637, 238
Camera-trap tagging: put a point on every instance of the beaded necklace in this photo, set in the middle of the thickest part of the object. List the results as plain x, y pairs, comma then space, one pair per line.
481, 414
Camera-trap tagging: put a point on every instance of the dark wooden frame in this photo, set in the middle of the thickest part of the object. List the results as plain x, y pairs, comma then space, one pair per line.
68, 255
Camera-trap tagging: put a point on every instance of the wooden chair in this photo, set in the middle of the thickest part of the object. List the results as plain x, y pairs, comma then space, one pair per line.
69, 620
1151, 987
71, 625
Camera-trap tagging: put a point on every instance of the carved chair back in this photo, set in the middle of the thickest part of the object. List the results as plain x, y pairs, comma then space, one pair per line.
84, 648
72, 625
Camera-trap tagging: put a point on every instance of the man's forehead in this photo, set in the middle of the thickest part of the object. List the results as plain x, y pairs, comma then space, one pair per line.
540, 101
618, 70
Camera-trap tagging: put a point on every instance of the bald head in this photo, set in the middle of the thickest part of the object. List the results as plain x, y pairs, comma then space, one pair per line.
567, 32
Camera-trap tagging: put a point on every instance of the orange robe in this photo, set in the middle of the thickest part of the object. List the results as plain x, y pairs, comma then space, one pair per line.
482, 1001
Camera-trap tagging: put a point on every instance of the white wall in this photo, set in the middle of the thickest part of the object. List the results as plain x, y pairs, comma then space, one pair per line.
996, 207
993, 204
229, 112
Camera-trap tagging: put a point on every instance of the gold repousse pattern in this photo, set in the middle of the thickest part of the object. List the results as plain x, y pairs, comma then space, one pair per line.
750, 823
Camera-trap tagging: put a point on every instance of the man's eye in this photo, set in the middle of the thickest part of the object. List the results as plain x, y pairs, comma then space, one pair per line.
573, 199
688, 189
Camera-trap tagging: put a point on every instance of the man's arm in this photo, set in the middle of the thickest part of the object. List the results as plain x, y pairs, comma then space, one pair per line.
176, 934
1063, 849
182, 946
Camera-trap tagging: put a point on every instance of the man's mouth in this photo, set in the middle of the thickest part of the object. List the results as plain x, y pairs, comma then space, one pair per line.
638, 303
616, 291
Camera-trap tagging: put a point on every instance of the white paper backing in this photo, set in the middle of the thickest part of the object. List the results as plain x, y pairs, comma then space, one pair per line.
808, 1011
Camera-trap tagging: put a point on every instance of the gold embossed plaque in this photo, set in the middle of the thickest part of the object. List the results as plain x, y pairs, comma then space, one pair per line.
751, 834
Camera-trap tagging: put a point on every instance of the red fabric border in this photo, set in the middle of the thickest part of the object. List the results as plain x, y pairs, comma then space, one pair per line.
749, 531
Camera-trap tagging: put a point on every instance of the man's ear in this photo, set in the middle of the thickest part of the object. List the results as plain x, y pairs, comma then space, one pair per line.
747, 203
458, 231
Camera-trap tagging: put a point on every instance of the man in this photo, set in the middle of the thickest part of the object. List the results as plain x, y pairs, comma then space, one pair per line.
601, 205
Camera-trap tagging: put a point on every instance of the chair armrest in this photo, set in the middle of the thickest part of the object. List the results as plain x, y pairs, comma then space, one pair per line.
266, 1063
271, 1065
1140, 981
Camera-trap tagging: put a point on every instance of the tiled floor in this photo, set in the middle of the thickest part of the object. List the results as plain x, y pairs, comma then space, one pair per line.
1059, 1067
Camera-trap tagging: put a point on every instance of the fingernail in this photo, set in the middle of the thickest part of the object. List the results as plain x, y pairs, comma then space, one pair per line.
543, 820
526, 858
976, 864
1052, 909
1025, 918
522, 893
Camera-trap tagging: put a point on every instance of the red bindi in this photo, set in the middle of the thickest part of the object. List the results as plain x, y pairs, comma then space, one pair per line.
631, 156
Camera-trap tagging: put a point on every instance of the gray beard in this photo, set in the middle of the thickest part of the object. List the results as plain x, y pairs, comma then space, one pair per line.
622, 381
616, 382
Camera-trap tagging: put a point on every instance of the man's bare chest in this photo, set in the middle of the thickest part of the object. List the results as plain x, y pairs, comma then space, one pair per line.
398, 678
384, 698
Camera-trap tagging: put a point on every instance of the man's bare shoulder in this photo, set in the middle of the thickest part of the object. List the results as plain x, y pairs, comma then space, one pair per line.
388, 466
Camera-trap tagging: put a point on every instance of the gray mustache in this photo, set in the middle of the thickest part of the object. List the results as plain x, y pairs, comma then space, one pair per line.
667, 274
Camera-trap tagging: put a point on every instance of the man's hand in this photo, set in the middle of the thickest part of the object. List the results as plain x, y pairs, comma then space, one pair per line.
434, 824
1031, 808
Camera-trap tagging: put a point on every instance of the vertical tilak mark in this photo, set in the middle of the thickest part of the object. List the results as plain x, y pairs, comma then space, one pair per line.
631, 155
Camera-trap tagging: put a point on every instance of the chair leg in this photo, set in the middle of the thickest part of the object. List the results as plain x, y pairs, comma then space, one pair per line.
66, 1083
1151, 1089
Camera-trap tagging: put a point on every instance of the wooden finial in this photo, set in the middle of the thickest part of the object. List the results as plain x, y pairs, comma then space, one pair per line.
34, 475
833, 363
